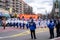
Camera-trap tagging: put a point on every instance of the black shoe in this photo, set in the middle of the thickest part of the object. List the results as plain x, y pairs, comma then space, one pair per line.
31, 38
35, 38
56, 36
50, 38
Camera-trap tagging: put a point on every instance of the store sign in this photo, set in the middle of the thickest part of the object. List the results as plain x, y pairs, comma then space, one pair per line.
56, 9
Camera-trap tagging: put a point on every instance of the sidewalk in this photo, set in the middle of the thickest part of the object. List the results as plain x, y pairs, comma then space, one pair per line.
20, 34
9, 29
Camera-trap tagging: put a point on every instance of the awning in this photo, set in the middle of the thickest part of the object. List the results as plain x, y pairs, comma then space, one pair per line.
6, 15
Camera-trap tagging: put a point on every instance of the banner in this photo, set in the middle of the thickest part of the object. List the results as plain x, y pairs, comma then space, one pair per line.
27, 16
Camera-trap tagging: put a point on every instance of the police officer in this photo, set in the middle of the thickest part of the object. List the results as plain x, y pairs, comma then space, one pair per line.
58, 27
51, 29
32, 27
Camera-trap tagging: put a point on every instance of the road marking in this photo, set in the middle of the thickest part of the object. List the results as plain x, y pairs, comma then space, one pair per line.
16, 35
25, 33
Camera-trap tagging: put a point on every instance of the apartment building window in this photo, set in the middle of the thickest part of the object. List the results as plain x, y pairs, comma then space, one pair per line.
20, 11
7, 8
12, 0
17, 8
7, 5
16, 0
0, 5
0, 1
13, 6
20, 8
13, 3
16, 11
13, 10
17, 5
7, 1
20, 2
21, 5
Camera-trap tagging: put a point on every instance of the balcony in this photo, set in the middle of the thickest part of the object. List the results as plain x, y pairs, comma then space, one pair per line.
17, 2
2, 0
17, 6
1, 3
7, 1
11, 4
1, 6
12, 0
7, 6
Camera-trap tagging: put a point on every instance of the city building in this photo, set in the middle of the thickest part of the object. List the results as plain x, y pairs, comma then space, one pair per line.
27, 9
56, 9
59, 7
2, 3
15, 6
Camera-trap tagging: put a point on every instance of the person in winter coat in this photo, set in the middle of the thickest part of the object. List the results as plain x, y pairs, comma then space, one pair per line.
4, 22
58, 27
32, 27
51, 29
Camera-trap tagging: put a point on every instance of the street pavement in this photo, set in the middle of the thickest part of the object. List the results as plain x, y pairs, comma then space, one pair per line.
23, 34
56, 38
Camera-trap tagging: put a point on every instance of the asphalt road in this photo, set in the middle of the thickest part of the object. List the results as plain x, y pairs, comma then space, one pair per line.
24, 34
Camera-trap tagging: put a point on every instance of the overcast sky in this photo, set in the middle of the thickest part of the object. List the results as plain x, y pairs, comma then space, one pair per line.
40, 6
